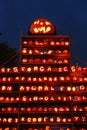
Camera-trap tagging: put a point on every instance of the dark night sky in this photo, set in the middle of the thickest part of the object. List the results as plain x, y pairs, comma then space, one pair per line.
69, 17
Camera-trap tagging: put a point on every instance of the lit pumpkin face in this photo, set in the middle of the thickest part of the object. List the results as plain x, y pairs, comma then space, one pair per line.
42, 26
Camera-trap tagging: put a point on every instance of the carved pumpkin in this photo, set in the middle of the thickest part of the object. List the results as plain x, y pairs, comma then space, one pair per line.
42, 26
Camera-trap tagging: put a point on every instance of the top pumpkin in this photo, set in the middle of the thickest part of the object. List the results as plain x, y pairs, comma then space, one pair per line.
42, 26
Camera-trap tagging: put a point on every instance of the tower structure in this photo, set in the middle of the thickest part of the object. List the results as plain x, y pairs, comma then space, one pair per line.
45, 70
46, 92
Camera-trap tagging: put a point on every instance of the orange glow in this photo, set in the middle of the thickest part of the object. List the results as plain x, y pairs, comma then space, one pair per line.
52, 43
46, 88
30, 52
68, 88
24, 98
3, 88
22, 88
55, 79
67, 43
62, 88
61, 78
29, 119
3, 69
9, 88
4, 120
15, 69
24, 60
4, 79
76, 118
73, 88
51, 119
46, 98
10, 120
65, 69
82, 87
64, 120
39, 119
42, 26
58, 119
17, 78
40, 88
10, 79
22, 119
42, 68
8, 70
66, 61
34, 120
35, 98
24, 50
25, 42
33, 88
29, 79
35, 68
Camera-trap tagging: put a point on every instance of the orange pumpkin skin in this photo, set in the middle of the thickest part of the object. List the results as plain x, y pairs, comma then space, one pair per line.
42, 26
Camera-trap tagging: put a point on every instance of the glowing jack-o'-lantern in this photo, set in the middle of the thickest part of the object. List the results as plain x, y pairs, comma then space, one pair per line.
42, 26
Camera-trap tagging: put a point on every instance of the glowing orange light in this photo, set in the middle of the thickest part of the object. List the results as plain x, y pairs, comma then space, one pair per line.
46, 88
60, 69
67, 43
73, 69
42, 68
24, 60
39, 119
76, 118
34, 119
24, 98
64, 120
30, 52
9, 88
2, 99
33, 88
42, 26
15, 69
22, 88
25, 42
29, 79
4, 79
3, 88
68, 88
17, 78
4, 120
27, 88
66, 61
46, 98
62, 88
35, 98
10, 79
28, 109
61, 78
10, 120
73, 88
24, 50
61, 109
65, 69
51, 119
65, 51
8, 69
22, 119
15, 121
82, 87
58, 119
3, 69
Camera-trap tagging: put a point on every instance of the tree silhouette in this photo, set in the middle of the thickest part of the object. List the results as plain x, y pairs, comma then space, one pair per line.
8, 56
